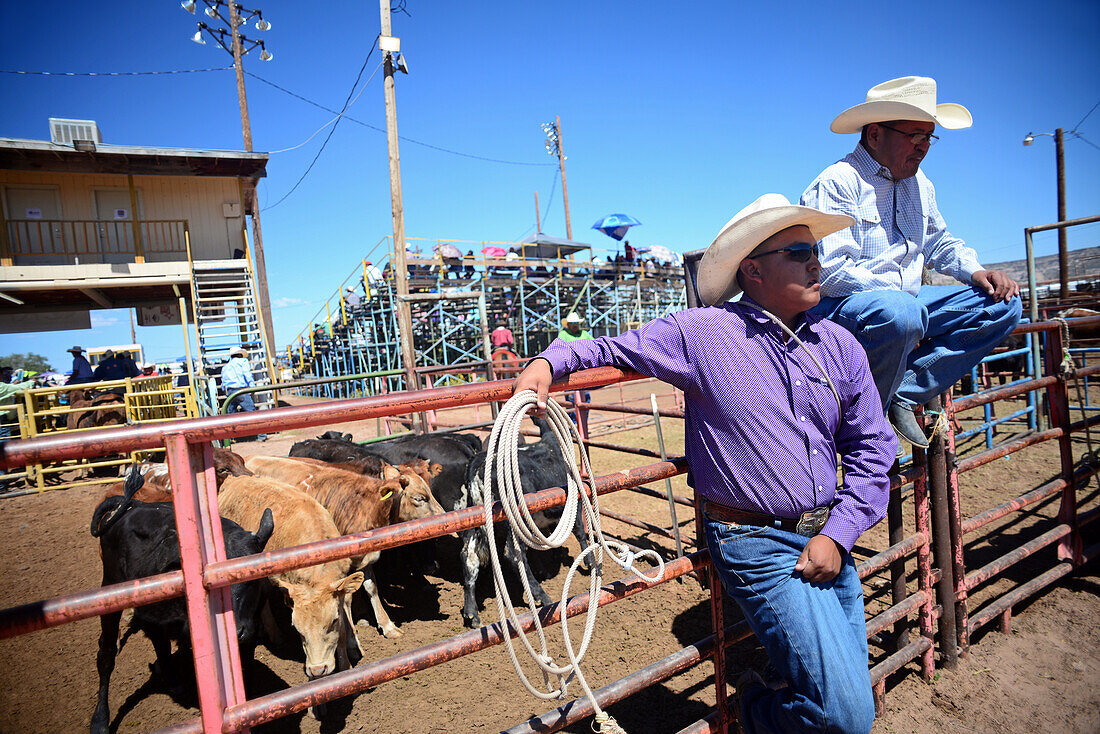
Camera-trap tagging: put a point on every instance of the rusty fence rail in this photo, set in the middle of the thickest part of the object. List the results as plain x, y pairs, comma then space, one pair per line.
939, 602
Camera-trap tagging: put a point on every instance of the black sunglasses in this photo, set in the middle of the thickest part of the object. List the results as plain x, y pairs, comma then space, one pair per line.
800, 252
914, 138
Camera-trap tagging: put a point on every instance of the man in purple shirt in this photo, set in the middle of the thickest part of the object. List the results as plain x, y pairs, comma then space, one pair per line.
763, 429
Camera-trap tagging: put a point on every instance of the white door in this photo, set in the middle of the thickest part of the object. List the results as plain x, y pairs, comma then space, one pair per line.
36, 237
115, 227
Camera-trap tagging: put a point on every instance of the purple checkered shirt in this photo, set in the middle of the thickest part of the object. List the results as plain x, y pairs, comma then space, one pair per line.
762, 429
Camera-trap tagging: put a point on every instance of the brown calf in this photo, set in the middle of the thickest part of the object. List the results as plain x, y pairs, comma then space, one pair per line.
319, 596
158, 487
358, 503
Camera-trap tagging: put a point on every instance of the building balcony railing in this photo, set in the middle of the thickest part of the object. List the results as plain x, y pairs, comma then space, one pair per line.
80, 242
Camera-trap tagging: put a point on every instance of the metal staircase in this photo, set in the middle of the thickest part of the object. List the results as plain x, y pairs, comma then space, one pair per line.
226, 317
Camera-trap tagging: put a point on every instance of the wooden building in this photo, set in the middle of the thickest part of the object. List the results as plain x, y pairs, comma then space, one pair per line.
87, 226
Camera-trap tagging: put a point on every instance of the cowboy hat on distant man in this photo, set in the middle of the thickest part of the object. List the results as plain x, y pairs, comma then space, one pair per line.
871, 272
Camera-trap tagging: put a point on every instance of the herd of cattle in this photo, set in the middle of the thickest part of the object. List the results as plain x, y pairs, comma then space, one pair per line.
327, 487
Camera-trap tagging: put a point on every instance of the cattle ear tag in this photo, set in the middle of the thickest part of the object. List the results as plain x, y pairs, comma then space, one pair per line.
387, 495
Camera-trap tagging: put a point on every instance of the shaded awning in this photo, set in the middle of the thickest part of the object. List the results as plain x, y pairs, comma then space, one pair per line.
42, 155
545, 247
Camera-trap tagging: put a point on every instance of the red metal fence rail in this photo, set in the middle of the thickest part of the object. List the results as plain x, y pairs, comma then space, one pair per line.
941, 594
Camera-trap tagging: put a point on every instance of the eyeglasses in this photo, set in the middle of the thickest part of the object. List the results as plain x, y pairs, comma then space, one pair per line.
915, 138
799, 252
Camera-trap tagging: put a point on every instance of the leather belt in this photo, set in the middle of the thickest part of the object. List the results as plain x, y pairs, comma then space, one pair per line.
808, 524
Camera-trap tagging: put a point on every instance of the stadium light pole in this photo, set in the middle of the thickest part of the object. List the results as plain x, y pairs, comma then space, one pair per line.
236, 49
1063, 246
554, 147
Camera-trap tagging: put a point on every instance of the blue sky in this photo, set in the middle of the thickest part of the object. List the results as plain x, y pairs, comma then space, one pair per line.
676, 114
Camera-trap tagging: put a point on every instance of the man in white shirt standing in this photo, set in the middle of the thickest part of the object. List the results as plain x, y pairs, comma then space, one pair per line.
237, 374
919, 340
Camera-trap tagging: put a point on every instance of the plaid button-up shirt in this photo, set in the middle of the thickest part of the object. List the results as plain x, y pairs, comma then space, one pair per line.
898, 228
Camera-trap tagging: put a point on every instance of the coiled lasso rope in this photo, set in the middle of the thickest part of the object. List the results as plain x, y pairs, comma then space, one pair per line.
502, 469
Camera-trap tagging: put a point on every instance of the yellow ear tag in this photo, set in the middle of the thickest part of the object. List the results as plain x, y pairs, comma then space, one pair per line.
387, 495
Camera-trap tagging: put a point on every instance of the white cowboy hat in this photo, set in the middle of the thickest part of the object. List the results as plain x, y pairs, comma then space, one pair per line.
572, 318
907, 98
716, 280
238, 351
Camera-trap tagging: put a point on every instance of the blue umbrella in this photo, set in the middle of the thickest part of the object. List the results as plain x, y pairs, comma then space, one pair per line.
616, 225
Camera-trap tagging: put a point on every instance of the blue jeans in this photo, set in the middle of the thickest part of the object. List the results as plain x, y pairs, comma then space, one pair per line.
244, 404
919, 346
814, 633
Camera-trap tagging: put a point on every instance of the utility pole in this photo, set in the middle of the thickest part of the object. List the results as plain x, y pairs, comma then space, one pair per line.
237, 51
404, 312
257, 233
564, 188
554, 147
1063, 246
538, 222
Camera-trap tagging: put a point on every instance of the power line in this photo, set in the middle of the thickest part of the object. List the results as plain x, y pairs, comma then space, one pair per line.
347, 103
553, 188
333, 120
1081, 137
1087, 114
349, 118
112, 73
553, 185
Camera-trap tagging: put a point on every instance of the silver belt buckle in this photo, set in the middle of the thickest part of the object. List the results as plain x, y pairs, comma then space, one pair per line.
810, 522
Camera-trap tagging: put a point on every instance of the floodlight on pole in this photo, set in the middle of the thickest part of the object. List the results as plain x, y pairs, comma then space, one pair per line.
189, 6
226, 33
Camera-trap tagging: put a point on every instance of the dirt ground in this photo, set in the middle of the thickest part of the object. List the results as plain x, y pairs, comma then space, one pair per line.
1041, 676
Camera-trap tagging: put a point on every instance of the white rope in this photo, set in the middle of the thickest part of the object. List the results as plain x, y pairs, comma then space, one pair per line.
502, 469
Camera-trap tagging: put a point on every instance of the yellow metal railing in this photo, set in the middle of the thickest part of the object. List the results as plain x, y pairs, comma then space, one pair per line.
49, 410
12, 418
91, 241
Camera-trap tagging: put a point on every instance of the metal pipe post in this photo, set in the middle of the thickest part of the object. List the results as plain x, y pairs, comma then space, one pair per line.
954, 520
213, 629
941, 544
668, 482
1069, 547
897, 569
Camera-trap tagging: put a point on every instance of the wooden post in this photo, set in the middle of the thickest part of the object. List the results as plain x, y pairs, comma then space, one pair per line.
404, 309
5, 245
1063, 246
538, 215
564, 188
139, 246
246, 127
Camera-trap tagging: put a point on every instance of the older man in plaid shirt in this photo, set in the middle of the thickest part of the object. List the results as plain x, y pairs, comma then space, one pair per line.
919, 340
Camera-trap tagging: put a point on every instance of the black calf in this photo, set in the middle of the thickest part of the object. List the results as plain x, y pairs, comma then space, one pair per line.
138, 539
541, 466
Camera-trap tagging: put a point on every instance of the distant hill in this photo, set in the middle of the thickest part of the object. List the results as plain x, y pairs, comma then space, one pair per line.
1084, 263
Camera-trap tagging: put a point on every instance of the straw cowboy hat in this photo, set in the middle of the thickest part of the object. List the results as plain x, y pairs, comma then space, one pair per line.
907, 98
716, 280
75, 350
239, 352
